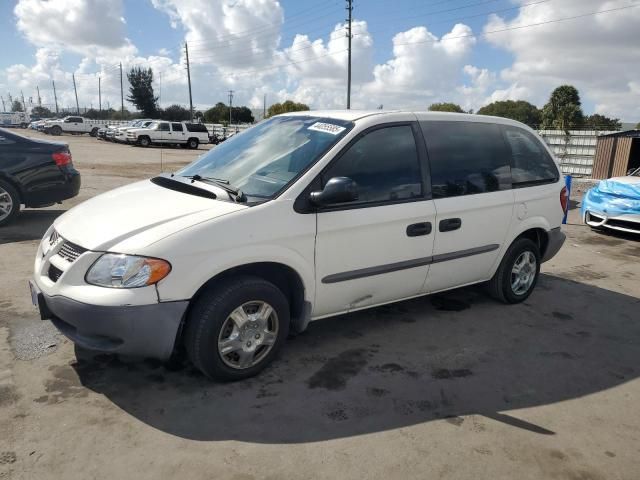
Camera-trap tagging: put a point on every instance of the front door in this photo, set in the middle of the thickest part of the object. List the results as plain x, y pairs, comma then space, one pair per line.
376, 249
164, 133
471, 187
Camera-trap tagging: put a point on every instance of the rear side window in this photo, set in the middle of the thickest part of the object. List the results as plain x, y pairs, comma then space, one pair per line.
163, 127
466, 158
197, 127
384, 165
530, 161
177, 127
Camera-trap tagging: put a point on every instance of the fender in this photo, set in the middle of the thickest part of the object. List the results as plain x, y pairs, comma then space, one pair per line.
530, 223
191, 274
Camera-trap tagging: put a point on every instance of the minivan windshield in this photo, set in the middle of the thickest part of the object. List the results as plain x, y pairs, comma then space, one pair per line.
264, 159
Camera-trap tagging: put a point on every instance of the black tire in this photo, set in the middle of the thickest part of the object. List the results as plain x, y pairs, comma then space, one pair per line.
14, 209
56, 130
208, 316
500, 286
144, 141
94, 132
193, 143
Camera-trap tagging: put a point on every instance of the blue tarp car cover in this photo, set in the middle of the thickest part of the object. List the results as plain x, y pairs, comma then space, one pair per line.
613, 197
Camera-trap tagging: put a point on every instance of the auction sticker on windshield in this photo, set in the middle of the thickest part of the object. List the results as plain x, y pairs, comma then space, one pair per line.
327, 128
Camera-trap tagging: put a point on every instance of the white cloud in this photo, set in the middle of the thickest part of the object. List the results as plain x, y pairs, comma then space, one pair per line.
81, 26
598, 54
424, 68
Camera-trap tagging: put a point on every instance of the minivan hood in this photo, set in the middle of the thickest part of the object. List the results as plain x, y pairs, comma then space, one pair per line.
131, 217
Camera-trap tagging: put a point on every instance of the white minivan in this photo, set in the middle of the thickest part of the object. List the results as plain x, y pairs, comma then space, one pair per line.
303, 216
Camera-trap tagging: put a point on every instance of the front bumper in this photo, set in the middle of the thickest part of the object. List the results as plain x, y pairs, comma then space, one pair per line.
623, 223
136, 330
555, 239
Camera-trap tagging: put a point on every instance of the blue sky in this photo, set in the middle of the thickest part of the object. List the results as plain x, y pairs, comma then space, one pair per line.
471, 69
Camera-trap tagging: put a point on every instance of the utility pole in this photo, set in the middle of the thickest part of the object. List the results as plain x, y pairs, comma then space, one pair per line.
350, 10
99, 95
73, 75
55, 97
121, 94
186, 51
24, 105
39, 98
230, 106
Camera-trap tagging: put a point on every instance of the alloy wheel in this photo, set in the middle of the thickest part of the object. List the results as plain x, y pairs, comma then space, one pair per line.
6, 204
523, 273
248, 335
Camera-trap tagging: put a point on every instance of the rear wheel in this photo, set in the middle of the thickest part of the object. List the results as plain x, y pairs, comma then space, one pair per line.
518, 272
94, 132
9, 203
193, 143
236, 329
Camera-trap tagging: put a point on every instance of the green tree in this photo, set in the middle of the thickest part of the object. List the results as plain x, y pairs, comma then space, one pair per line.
638, 126
242, 115
563, 111
177, 113
516, 110
445, 107
16, 106
217, 114
41, 112
220, 114
141, 91
119, 115
601, 122
286, 106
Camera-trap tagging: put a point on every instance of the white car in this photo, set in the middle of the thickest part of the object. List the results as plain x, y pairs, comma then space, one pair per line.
303, 216
120, 133
614, 204
185, 134
74, 125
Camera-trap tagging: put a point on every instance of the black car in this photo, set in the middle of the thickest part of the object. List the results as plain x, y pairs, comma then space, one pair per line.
35, 173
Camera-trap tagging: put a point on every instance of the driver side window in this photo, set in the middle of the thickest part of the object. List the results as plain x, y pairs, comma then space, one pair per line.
383, 163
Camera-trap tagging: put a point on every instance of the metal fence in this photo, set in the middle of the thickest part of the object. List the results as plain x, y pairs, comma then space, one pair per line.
575, 151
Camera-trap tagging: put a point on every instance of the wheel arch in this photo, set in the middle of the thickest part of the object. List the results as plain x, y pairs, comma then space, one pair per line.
287, 279
15, 184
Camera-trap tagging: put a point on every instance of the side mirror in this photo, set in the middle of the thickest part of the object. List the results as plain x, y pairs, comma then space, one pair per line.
337, 190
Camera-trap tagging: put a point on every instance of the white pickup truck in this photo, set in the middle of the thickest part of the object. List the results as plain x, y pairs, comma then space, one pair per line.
185, 134
73, 124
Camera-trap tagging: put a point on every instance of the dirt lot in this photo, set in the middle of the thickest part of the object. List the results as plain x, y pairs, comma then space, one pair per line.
450, 386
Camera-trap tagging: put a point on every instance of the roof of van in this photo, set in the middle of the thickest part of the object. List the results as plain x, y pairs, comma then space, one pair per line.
352, 115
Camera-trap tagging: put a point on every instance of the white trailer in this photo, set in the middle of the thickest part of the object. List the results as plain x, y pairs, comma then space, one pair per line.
14, 119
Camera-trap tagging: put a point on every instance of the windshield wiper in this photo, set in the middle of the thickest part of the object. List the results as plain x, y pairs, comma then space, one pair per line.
236, 194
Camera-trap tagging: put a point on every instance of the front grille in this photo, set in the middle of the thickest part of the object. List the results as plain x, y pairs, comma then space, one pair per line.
54, 273
624, 224
70, 251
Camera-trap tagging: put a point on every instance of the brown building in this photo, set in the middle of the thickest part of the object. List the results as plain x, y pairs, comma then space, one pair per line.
616, 154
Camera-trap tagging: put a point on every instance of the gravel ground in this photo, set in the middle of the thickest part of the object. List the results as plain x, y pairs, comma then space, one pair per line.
449, 386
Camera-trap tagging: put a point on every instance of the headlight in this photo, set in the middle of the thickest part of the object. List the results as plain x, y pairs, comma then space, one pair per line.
127, 271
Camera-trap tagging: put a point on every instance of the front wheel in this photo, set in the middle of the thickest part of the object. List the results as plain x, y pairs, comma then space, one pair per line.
56, 130
9, 203
144, 141
236, 329
518, 272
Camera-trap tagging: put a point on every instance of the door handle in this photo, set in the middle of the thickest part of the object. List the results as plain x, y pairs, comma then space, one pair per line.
418, 229
450, 224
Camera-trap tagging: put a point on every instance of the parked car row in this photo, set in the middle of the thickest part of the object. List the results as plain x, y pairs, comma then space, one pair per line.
147, 132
